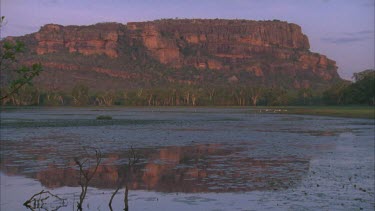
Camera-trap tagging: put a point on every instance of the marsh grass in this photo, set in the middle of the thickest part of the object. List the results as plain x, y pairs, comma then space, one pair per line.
352, 112
366, 112
104, 117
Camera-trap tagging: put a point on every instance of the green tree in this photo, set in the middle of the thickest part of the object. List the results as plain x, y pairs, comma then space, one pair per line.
363, 75
80, 94
255, 94
335, 95
305, 96
50, 98
13, 75
363, 90
26, 95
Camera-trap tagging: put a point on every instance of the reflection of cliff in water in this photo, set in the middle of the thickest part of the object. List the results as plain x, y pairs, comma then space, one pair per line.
198, 168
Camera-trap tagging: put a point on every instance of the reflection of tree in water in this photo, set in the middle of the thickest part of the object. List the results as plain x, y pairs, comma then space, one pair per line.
198, 168
45, 200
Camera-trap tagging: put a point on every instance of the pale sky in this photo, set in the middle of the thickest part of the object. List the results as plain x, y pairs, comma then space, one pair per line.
341, 29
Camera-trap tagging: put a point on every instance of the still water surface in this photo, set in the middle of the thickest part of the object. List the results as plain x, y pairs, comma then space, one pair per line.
189, 159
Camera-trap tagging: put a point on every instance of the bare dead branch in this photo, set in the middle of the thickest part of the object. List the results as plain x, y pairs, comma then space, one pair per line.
133, 158
85, 176
113, 195
126, 201
38, 200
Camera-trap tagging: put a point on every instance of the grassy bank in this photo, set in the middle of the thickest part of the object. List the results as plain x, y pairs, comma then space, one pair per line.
367, 112
335, 111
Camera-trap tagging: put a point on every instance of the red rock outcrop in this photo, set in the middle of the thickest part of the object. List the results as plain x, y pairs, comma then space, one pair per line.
221, 38
232, 44
240, 51
101, 39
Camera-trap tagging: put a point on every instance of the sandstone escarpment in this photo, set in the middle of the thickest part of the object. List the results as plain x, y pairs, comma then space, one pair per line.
219, 38
197, 51
233, 45
101, 39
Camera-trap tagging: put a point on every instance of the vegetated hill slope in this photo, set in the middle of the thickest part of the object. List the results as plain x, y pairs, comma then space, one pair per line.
113, 56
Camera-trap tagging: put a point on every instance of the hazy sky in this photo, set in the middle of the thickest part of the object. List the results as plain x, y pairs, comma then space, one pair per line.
341, 29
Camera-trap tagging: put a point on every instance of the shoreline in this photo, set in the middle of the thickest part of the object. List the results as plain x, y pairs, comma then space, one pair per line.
362, 112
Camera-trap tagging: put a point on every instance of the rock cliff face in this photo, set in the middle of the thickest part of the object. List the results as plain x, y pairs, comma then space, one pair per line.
174, 42
102, 39
198, 51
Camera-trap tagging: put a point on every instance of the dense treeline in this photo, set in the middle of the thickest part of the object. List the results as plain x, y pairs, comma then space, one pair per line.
359, 92
80, 95
362, 91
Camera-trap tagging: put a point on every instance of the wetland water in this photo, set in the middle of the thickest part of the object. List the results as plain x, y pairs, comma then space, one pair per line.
189, 159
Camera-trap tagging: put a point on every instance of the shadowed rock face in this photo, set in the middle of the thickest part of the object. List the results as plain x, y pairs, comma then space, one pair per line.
251, 51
